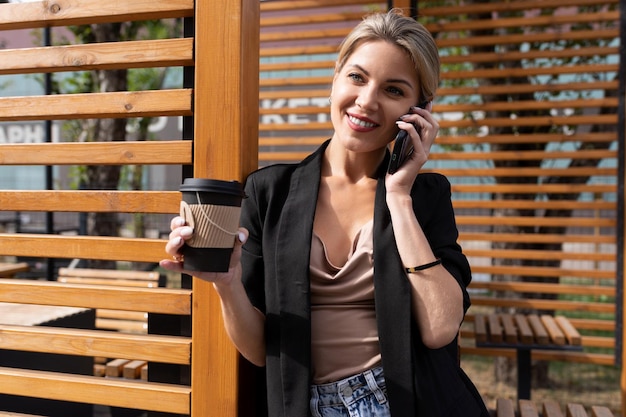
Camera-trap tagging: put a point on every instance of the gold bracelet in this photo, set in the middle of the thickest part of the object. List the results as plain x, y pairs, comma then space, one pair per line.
422, 267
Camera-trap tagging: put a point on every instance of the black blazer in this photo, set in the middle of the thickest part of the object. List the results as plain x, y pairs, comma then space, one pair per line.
278, 212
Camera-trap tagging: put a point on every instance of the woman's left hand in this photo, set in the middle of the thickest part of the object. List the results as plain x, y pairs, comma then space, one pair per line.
422, 129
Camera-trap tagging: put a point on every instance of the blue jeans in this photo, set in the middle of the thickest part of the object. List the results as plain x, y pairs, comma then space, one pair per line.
361, 395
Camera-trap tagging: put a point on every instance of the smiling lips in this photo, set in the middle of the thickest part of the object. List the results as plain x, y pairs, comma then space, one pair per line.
361, 123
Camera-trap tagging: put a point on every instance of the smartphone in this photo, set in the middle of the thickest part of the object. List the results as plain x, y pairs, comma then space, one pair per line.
402, 147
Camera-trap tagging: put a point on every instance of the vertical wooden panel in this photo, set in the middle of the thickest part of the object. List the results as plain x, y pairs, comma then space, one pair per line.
225, 147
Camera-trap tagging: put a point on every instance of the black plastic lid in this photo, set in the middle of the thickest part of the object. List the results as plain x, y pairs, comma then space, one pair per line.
212, 186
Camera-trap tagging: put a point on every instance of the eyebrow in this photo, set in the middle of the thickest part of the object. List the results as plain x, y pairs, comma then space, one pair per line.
391, 80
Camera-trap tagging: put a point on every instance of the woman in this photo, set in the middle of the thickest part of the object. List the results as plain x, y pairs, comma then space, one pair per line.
350, 287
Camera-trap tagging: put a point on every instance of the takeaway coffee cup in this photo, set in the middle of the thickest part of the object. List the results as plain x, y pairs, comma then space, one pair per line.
211, 208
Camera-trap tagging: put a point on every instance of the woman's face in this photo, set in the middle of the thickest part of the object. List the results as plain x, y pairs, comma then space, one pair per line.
376, 85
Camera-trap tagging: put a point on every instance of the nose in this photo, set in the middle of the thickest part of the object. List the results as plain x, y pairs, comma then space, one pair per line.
367, 98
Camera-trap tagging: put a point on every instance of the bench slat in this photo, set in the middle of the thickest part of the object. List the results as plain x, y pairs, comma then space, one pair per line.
575, 410
556, 335
129, 326
495, 329
133, 369
110, 274
115, 368
527, 409
526, 334
510, 331
505, 408
569, 330
552, 409
541, 336
480, 328
599, 411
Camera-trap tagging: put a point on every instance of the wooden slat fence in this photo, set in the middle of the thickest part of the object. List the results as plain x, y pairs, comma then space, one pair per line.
528, 107
212, 100
528, 111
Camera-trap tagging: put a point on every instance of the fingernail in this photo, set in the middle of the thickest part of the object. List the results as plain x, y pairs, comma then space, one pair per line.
177, 240
179, 221
242, 237
186, 231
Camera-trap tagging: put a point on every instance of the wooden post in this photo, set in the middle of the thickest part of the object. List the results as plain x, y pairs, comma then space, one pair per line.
226, 114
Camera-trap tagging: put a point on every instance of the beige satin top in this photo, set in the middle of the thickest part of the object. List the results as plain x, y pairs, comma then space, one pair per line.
344, 335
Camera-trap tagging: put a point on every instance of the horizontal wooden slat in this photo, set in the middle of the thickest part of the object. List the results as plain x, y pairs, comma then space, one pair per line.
121, 315
585, 341
153, 300
97, 105
125, 326
92, 201
166, 349
105, 56
94, 390
534, 188
461, 107
527, 138
535, 205
538, 271
273, 6
543, 36
536, 221
315, 82
610, 119
537, 304
551, 20
551, 355
98, 153
523, 155
68, 12
528, 88
536, 238
83, 247
111, 276
535, 172
543, 288
551, 255
477, 8
301, 20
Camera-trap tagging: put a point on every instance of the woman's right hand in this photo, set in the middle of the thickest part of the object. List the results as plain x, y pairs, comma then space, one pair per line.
180, 233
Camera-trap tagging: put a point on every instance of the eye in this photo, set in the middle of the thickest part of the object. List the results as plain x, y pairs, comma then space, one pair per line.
395, 91
357, 78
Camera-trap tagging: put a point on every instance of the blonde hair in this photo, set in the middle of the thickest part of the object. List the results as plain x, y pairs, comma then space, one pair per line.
408, 34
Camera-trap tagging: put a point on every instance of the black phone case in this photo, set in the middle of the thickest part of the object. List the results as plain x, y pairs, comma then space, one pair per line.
401, 147
399, 152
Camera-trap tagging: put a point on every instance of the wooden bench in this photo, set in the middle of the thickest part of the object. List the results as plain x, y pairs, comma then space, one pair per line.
522, 329
125, 321
124, 368
506, 408
8, 270
116, 320
523, 333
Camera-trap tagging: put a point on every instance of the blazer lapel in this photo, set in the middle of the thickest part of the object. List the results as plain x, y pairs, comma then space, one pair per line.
292, 274
393, 308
